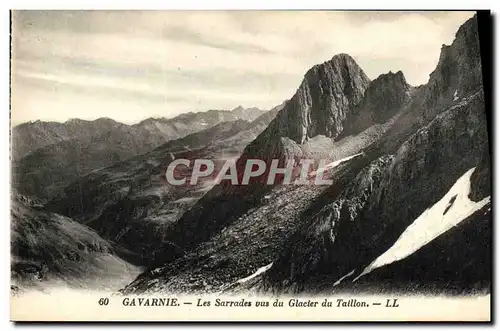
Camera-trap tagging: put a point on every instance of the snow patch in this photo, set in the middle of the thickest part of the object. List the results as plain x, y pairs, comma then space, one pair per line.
152, 162
455, 95
185, 200
255, 274
453, 208
334, 164
344, 277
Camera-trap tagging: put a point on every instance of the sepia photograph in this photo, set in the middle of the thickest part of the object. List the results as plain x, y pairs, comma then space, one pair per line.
239, 165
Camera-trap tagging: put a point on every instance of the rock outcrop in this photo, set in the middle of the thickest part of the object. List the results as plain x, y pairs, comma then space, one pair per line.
459, 70
385, 97
327, 94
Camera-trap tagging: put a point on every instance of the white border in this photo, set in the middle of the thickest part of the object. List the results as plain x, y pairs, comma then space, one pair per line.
256, 4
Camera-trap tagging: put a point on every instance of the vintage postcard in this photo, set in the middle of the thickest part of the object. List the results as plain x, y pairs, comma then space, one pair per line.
250, 166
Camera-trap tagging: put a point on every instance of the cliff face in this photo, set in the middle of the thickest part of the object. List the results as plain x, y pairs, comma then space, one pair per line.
458, 75
320, 106
322, 102
459, 70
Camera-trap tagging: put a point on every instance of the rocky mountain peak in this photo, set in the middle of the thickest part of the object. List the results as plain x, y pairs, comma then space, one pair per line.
320, 105
458, 72
384, 98
394, 83
238, 109
248, 114
386, 92
397, 77
105, 120
99, 121
338, 60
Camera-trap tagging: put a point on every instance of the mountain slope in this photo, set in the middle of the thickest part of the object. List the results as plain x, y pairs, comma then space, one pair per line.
131, 203
50, 248
384, 98
343, 82
415, 143
320, 114
246, 212
320, 105
351, 231
424, 167
30, 136
459, 261
45, 171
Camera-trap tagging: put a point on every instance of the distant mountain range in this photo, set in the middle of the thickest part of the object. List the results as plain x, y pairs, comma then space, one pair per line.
49, 155
30, 136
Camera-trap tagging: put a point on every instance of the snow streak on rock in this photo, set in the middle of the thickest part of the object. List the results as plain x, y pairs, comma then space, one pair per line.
333, 164
255, 274
344, 277
453, 208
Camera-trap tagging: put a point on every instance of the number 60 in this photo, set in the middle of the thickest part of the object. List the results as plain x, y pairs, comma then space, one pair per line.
103, 301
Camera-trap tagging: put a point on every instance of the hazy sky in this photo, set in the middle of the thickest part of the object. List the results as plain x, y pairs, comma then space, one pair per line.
130, 65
